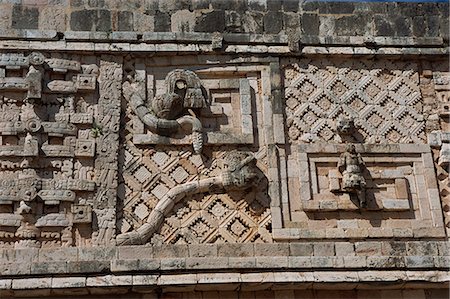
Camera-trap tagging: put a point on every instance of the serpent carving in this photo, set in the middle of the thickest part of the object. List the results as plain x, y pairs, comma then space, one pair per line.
163, 115
238, 173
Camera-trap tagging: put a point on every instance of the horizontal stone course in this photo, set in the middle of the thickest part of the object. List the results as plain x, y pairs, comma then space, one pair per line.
245, 281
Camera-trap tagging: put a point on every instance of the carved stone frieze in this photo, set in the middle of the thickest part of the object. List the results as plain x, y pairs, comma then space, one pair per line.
381, 97
173, 194
48, 150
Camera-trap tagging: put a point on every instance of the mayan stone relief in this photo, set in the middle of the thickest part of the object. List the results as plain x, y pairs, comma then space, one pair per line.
353, 171
111, 150
58, 152
194, 154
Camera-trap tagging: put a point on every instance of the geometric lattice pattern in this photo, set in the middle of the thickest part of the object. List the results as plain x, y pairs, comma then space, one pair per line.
148, 173
382, 97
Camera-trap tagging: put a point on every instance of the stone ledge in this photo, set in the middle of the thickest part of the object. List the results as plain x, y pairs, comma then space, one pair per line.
192, 264
317, 248
169, 42
248, 281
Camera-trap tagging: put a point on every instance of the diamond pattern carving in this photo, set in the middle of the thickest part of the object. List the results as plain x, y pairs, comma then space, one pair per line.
382, 97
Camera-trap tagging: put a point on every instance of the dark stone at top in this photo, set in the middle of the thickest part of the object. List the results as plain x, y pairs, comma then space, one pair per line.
336, 8
310, 6
274, 5
273, 22
237, 5
403, 26
309, 24
25, 17
382, 26
87, 20
432, 25
76, 3
371, 7
125, 21
211, 22
256, 6
290, 5
199, 4
405, 9
418, 27
428, 9
162, 22
354, 25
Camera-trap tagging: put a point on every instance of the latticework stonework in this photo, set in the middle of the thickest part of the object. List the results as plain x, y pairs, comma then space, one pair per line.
381, 97
148, 174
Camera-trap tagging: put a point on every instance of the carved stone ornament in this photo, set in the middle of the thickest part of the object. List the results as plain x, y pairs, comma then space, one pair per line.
350, 165
166, 114
238, 173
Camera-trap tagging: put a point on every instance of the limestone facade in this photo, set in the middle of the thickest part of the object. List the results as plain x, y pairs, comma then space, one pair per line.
213, 149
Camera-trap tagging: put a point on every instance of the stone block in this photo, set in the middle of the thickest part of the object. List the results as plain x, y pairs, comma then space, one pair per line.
271, 249
173, 263
382, 26
322, 262
124, 265
171, 251
344, 249
203, 250
149, 264
421, 248
145, 280
324, 249
88, 20
134, 252
21, 268
206, 263
299, 262
300, 249
238, 250
419, 261
385, 262
273, 22
59, 254
336, 8
442, 262
31, 283
355, 261
393, 248
354, 25
125, 21
109, 281
96, 253
242, 262
88, 266
68, 282
25, 17
275, 262
368, 248
210, 22
49, 267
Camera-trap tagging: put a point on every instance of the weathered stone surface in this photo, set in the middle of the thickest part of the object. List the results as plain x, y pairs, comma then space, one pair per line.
257, 203
24, 17
87, 20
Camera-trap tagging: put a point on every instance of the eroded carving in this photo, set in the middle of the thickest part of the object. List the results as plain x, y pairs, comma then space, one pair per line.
351, 166
163, 114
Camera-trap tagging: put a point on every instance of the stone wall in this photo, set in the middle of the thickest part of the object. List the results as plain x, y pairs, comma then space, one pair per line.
234, 16
224, 148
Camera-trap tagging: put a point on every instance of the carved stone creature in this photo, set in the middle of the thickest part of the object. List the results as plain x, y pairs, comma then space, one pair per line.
344, 128
163, 114
350, 165
238, 173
